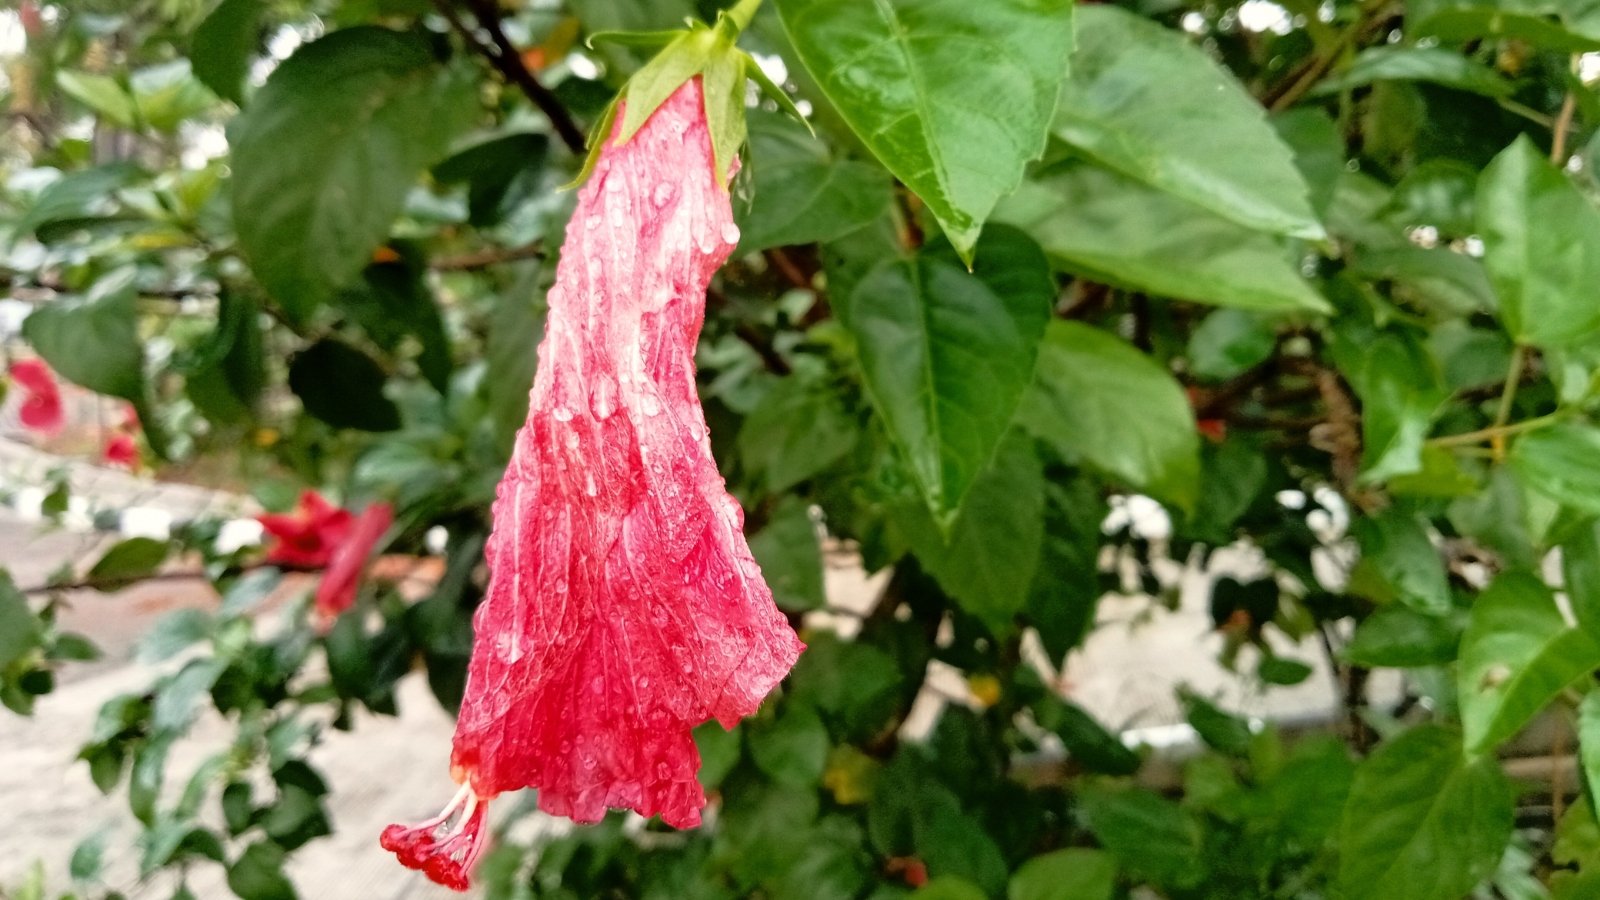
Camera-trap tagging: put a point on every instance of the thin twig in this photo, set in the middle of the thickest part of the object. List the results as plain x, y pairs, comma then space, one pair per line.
503, 55
1563, 124
1508, 396
483, 259
1489, 434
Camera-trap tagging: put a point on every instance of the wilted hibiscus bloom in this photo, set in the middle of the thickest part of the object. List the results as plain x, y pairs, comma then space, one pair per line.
42, 409
307, 537
348, 561
624, 607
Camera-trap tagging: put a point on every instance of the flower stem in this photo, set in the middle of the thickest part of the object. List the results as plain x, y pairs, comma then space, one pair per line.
1496, 433
742, 12
1502, 414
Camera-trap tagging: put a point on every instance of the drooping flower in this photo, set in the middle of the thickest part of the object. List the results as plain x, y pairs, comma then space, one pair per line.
307, 537
42, 409
624, 607
348, 561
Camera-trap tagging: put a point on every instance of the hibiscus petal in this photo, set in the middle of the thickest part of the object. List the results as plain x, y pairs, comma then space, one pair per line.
337, 590
624, 607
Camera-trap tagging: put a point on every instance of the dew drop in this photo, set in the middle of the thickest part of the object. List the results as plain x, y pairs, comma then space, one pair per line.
561, 414
589, 486
730, 233
650, 404
643, 683
589, 763
598, 685
662, 772
566, 747
593, 221
663, 193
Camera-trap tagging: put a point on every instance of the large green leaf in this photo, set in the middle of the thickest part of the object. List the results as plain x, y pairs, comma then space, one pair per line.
790, 557
1113, 229
947, 354
343, 387
1432, 64
1560, 462
19, 627
1399, 563
223, 46
802, 194
1400, 392
988, 560
1150, 835
1088, 383
94, 341
797, 430
953, 97
1145, 101
1422, 821
75, 198
326, 152
1589, 740
1554, 24
1518, 653
1072, 874
1545, 275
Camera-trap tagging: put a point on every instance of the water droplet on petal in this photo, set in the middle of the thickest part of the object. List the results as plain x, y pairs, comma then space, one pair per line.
561, 414
603, 398
589, 763
650, 404
663, 193
730, 233
593, 221
598, 685
643, 683
589, 486
663, 772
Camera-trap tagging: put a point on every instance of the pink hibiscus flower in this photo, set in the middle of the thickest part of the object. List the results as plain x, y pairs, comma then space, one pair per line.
121, 450
624, 607
42, 409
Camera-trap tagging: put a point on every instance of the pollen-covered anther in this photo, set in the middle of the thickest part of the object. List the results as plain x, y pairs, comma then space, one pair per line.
445, 847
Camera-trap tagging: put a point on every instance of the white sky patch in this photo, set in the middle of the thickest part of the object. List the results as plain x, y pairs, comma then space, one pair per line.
13, 39
202, 144
1589, 67
582, 66
1264, 15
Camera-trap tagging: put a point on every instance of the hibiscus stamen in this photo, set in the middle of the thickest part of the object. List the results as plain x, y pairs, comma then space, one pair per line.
445, 847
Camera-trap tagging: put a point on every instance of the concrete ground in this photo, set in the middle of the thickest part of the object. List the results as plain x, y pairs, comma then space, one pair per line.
395, 769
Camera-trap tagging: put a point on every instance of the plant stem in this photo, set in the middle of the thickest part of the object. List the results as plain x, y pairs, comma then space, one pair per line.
1489, 434
508, 62
1563, 124
743, 12
1502, 414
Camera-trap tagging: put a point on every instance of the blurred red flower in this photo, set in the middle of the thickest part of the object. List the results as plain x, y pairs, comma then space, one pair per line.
348, 561
42, 409
307, 537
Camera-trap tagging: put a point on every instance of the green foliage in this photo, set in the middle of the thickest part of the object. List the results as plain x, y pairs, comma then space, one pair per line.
1321, 290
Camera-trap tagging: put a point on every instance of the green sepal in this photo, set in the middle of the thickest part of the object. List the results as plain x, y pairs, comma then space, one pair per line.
706, 51
632, 38
773, 90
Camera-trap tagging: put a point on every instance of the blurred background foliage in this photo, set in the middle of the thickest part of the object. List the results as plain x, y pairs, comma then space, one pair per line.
1318, 277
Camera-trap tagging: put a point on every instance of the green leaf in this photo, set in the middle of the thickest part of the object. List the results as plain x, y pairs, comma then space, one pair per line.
232, 374
1110, 228
223, 45
501, 173
343, 387
88, 858
1580, 575
1552, 24
1221, 730
1398, 637
128, 561
947, 355
20, 631
797, 430
790, 556
75, 197
168, 94
1066, 587
988, 561
1517, 654
392, 301
258, 874
1145, 101
1399, 562
900, 74
179, 697
1423, 822
516, 322
1589, 741
1230, 342
94, 341
1148, 834
1559, 462
802, 194
173, 633
104, 95
791, 749
1087, 382
1072, 874
327, 150
1400, 395
1087, 741
1545, 276
950, 888
1432, 64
